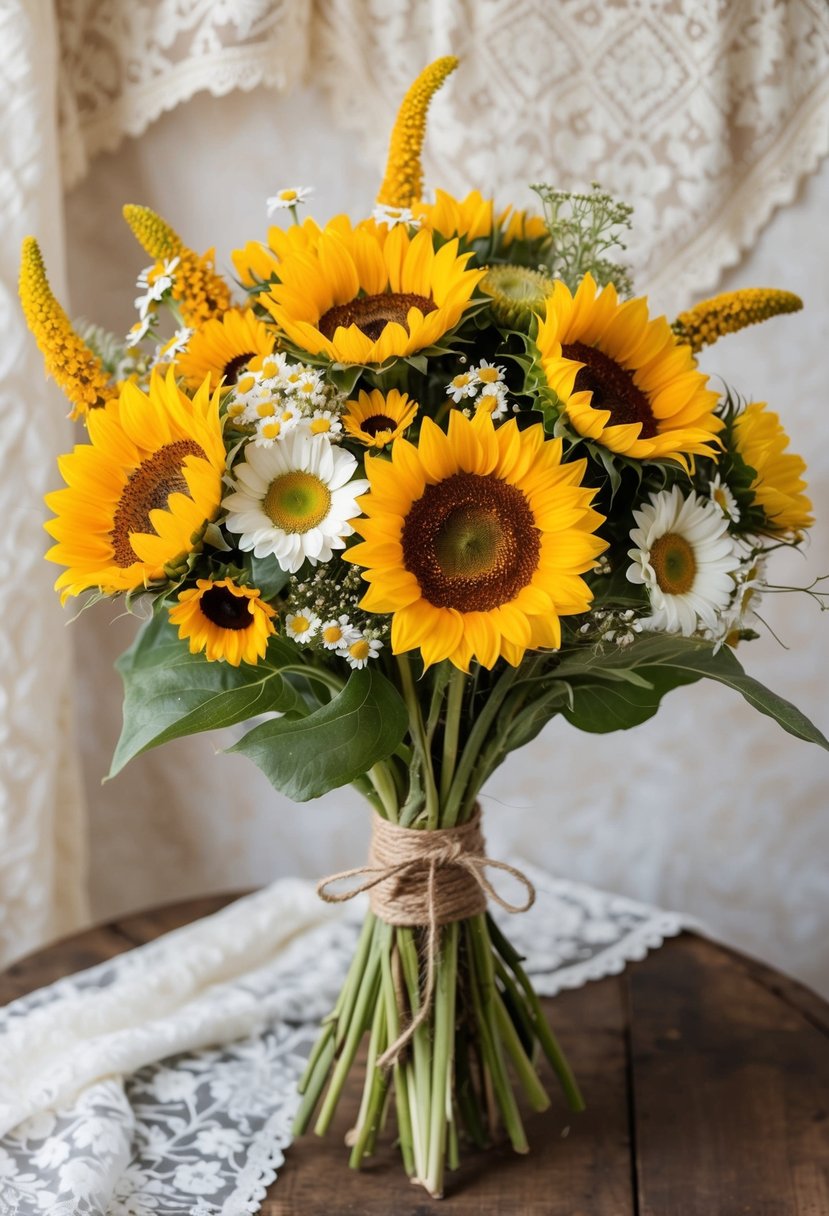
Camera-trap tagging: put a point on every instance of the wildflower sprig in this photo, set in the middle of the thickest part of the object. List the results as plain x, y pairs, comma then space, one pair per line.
583, 229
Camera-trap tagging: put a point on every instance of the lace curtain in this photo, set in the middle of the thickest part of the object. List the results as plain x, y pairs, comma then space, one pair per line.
706, 114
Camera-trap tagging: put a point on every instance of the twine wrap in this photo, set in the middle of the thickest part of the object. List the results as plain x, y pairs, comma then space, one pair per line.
427, 879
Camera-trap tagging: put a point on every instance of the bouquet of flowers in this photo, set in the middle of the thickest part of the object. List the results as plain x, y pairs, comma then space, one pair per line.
414, 486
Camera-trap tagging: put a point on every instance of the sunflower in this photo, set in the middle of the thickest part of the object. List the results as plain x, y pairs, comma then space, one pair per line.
257, 263
376, 418
223, 348
476, 541
778, 483
624, 380
686, 560
364, 295
470, 217
140, 494
224, 620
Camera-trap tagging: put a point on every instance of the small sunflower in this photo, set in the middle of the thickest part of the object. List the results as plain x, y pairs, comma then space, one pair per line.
224, 348
294, 499
141, 493
686, 559
365, 295
476, 541
224, 620
376, 418
778, 486
624, 380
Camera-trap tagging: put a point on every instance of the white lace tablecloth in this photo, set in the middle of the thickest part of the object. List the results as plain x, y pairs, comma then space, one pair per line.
163, 1082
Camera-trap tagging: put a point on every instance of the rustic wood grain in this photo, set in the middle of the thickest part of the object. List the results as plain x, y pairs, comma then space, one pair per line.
706, 1076
730, 1089
579, 1165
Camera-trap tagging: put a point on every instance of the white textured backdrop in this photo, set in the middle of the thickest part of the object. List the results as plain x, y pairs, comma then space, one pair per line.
708, 808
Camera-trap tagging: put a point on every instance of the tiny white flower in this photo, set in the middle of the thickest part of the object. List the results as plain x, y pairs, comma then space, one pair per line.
325, 422
493, 400
283, 200
461, 386
489, 373
391, 216
358, 652
138, 332
267, 432
338, 634
720, 493
302, 626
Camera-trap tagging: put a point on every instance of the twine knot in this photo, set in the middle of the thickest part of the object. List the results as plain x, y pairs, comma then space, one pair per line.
429, 879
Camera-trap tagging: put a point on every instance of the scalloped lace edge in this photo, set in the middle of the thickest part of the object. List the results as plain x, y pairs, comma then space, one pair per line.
265, 1157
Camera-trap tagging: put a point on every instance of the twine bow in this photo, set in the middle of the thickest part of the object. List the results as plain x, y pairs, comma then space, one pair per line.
425, 878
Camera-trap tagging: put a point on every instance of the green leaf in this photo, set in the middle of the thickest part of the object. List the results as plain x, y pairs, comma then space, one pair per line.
169, 692
335, 744
665, 661
266, 574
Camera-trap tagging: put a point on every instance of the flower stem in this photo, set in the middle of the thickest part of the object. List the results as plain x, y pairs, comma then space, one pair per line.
454, 706
418, 732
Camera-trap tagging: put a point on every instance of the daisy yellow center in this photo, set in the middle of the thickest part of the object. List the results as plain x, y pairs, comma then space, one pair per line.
297, 501
332, 634
471, 542
226, 610
720, 498
612, 386
359, 650
489, 375
148, 489
300, 624
234, 367
288, 196
376, 423
673, 564
320, 426
372, 314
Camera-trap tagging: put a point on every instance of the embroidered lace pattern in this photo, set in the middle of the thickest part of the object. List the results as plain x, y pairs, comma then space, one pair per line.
115, 1098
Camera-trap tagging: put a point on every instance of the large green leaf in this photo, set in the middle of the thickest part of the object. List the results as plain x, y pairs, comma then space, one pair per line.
169, 692
608, 691
335, 744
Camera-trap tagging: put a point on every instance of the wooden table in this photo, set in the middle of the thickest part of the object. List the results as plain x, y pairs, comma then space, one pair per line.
706, 1076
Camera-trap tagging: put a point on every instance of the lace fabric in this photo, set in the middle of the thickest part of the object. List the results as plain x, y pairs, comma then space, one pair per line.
115, 1098
705, 116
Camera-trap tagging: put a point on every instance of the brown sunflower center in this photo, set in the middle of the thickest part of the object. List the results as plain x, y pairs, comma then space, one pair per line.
377, 423
234, 367
148, 489
471, 542
673, 563
226, 610
372, 314
612, 386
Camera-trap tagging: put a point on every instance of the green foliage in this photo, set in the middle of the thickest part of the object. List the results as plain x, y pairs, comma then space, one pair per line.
337, 743
614, 689
169, 692
583, 229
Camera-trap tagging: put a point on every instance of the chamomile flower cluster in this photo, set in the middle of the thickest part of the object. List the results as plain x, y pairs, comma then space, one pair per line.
278, 396
484, 384
156, 286
323, 614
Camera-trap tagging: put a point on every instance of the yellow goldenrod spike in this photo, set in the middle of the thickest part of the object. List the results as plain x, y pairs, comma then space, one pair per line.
403, 182
78, 371
154, 235
199, 292
707, 321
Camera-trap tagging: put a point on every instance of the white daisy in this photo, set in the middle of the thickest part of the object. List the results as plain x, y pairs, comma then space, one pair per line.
461, 386
302, 626
294, 499
325, 422
174, 346
338, 634
359, 650
390, 216
686, 560
489, 373
267, 432
493, 400
720, 493
138, 332
285, 200
155, 285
